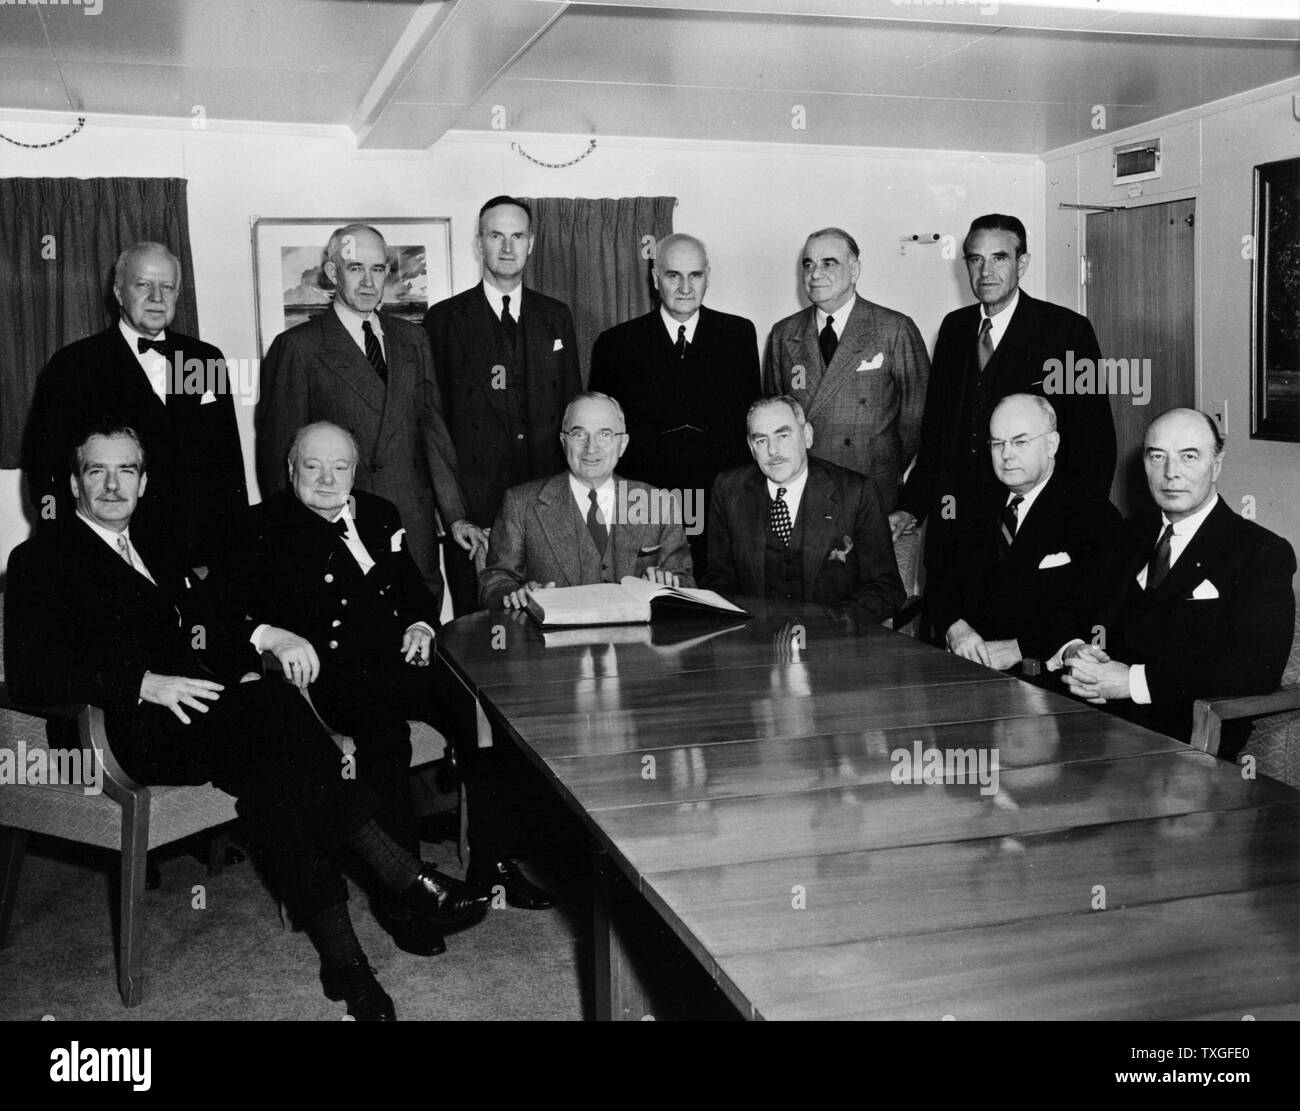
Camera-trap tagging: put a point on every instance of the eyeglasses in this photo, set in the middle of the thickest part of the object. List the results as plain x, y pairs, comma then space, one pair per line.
581, 437
1017, 445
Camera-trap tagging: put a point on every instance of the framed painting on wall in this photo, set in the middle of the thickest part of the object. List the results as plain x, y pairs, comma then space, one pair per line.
1275, 304
289, 281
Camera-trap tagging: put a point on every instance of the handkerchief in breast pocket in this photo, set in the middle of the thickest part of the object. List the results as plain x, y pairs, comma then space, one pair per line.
1056, 559
559, 345
874, 364
1205, 590
208, 398
395, 541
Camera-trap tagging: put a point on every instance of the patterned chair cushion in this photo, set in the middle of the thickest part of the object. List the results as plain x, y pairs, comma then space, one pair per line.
1275, 740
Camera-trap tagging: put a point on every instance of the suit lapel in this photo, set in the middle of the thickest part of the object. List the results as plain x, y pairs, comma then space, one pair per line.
802, 350
750, 545
555, 509
1012, 350
344, 359
858, 342
818, 508
476, 324
1187, 574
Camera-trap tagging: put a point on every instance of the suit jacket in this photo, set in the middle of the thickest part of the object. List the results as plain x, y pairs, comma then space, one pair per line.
711, 389
847, 555
1014, 596
293, 570
866, 406
951, 462
196, 487
533, 539
493, 454
113, 623
316, 371
1233, 644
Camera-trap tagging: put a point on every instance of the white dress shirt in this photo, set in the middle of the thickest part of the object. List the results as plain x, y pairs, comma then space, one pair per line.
352, 321
494, 300
154, 365
604, 498
672, 324
998, 323
840, 317
1022, 510
793, 493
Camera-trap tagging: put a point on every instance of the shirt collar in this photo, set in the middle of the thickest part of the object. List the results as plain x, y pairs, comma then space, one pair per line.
841, 314
494, 296
672, 324
107, 535
131, 335
793, 488
998, 324
1187, 527
352, 320
1029, 498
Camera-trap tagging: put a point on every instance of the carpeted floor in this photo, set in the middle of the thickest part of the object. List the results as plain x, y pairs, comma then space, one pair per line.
233, 960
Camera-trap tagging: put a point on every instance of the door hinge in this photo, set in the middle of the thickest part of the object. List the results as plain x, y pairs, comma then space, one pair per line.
1191, 219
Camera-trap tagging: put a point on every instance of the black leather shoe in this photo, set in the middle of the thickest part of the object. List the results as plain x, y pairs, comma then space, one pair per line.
410, 934
520, 891
441, 899
355, 982
152, 873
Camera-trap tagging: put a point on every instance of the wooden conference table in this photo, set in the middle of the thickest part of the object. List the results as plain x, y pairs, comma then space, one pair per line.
738, 777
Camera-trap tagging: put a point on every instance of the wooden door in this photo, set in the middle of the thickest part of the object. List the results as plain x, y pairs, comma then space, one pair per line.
1141, 300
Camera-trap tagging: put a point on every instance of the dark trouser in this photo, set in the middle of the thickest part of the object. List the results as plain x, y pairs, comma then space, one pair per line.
462, 578
259, 742
373, 706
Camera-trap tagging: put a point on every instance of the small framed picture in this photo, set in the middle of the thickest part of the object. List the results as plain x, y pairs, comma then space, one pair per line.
1275, 315
289, 281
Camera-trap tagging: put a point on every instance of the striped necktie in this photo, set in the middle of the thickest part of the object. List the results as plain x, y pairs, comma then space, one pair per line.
375, 353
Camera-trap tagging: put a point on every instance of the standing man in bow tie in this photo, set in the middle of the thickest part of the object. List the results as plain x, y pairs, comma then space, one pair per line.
858, 369
371, 373
506, 360
171, 388
684, 375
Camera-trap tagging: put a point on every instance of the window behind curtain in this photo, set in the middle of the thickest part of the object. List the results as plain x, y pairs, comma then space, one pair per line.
59, 239
592, 255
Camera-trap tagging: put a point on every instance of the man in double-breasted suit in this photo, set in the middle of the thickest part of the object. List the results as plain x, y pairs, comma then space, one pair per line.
506, 361
858, 369
798, 528
370, 373
126, 642
1003, 344
1018, 566
586, 524
685, 375
172, 389
1190, 602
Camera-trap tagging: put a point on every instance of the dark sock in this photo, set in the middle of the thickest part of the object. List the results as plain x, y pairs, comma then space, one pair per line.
331, 932
396, 867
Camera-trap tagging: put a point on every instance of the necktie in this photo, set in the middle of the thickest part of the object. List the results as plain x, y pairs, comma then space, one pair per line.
1158, 567
985, 350
508, 322
781, 517
142, 345
124, 550
1007, 525
681, 341
828, 341
374, 353
596, 525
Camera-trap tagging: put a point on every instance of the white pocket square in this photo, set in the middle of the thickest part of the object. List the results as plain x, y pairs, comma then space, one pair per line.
395, 541
559, 345
1056, 559
875, 363
208, 398
1205, 590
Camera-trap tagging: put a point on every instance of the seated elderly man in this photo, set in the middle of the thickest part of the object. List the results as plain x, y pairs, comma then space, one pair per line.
1015, 566
1184, 603
798, 528
585, 524
178, 715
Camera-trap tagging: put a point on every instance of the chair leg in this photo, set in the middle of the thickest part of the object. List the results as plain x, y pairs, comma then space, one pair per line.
13, 843
217, 846
462, 847
135, 850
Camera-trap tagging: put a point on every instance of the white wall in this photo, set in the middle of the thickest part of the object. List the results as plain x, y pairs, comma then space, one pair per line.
1209, 154
752, 204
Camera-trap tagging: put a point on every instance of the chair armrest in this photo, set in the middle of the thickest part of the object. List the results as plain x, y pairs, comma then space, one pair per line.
118, 786
906, 613
1208, 714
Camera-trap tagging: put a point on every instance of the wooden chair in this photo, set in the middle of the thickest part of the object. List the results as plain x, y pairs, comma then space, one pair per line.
907, 554
1274, 740
126, 817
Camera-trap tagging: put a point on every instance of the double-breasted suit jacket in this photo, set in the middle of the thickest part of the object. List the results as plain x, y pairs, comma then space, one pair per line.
315, 371
196, 489
540, 536
865, 408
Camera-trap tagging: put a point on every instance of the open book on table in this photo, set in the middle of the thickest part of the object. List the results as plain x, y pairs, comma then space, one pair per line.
629, 602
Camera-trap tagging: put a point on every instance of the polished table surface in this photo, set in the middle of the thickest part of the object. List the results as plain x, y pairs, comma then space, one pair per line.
739, 775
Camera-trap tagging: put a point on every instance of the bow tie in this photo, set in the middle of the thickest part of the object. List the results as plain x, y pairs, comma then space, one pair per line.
142, 345
341, 527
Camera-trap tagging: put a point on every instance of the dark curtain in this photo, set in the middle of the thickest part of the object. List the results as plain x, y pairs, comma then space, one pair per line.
593, 256
59, 238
